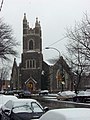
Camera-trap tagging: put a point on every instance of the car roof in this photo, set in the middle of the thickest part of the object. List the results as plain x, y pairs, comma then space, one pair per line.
24, 101
67, 114
30, 100
5, 98
67, 93
44, 91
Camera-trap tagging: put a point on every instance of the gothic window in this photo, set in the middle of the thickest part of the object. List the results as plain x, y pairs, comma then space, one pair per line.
31, 63
31, 45
27, 63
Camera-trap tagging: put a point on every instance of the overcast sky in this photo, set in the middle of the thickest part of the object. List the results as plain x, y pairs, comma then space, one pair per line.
54, 16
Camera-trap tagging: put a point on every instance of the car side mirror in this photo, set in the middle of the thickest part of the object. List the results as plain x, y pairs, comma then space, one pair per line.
46, 109
7, 112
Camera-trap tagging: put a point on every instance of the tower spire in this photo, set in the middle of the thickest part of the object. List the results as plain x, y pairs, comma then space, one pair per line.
37, 24
25, 24
25, 17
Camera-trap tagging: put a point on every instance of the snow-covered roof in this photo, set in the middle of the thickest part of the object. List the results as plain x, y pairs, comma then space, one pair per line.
48, 63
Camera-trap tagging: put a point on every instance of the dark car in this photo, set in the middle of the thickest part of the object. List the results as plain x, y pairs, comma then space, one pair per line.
43, 92
9, 93
25, 94
22, 109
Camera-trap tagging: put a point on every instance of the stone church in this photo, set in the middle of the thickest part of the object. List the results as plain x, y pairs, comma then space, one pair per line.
32, 73
30, 69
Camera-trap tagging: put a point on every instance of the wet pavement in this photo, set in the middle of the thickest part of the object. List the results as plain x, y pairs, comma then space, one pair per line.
53, 103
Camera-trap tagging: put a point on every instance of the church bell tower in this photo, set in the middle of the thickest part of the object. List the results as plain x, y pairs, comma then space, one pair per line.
31, 58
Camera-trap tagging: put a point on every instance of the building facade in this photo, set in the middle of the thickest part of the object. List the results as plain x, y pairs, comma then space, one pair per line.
33, 73
31, 58
60, 76
30, 68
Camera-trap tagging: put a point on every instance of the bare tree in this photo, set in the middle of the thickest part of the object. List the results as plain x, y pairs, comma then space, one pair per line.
5, 73
79, 47
7, 42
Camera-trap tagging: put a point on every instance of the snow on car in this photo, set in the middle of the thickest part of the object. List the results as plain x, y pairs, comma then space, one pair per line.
5, 98
66, 95
82, 96
67, 114
83, 93
43, 92
22, 109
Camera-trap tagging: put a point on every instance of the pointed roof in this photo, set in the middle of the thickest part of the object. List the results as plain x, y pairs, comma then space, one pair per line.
37, 24
30, 79
24, 17
14, 64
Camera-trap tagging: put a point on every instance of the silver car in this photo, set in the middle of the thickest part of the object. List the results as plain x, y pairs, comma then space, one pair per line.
22, 109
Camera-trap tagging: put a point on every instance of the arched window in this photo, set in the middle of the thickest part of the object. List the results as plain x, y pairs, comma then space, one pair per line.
32, 63
31, 45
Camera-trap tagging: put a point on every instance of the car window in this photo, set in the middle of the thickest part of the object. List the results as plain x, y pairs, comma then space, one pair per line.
21, 103
9, 104
36, 107
22, 107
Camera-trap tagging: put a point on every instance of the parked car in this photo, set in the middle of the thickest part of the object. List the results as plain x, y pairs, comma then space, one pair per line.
67, 114
43, 92
82, 96
2, 92
66, 95
4, 99
10, 92
25, 94
22, 109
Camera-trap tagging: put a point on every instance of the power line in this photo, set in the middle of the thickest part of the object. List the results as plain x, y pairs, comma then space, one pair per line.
58, 41
67, 36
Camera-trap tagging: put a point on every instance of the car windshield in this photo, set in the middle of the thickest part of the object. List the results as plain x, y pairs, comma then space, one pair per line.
22, 108
26, 106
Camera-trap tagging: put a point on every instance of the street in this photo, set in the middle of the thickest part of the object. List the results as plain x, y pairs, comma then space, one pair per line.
53, 103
